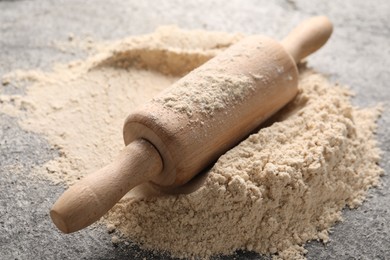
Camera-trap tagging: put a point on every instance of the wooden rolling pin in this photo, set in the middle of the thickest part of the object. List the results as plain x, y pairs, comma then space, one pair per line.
168, 147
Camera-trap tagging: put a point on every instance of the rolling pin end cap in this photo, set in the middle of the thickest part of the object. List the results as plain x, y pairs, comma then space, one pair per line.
59, 221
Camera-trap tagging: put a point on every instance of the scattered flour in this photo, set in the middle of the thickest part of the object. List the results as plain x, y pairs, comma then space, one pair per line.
282, 186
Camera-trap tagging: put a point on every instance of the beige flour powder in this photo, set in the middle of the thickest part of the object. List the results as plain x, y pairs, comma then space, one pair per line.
279, 188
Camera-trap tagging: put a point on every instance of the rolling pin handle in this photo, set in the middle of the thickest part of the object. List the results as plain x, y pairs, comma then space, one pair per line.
90, 198
308, 37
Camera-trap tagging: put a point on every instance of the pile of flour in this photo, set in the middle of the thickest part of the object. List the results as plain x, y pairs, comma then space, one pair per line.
282, 186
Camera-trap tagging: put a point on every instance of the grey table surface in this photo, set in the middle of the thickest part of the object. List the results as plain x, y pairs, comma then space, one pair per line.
358, 55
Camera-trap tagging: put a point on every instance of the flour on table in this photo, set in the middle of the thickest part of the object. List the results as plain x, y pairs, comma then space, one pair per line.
281, 187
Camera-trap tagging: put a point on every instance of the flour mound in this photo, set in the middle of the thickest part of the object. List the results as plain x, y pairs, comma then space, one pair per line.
279, 188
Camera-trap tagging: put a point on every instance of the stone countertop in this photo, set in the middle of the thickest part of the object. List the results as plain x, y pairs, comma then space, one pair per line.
357, 55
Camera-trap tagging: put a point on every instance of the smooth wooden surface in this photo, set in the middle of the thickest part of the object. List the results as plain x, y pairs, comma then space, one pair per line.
168, 148
308, 37
89, 199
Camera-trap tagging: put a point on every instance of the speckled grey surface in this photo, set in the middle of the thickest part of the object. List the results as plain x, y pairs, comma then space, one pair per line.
358, 55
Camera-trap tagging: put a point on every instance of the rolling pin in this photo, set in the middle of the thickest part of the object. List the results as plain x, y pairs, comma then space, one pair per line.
167, 146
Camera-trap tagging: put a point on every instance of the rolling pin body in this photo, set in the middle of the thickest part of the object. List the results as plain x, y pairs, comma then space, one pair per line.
188, 126
258, 77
